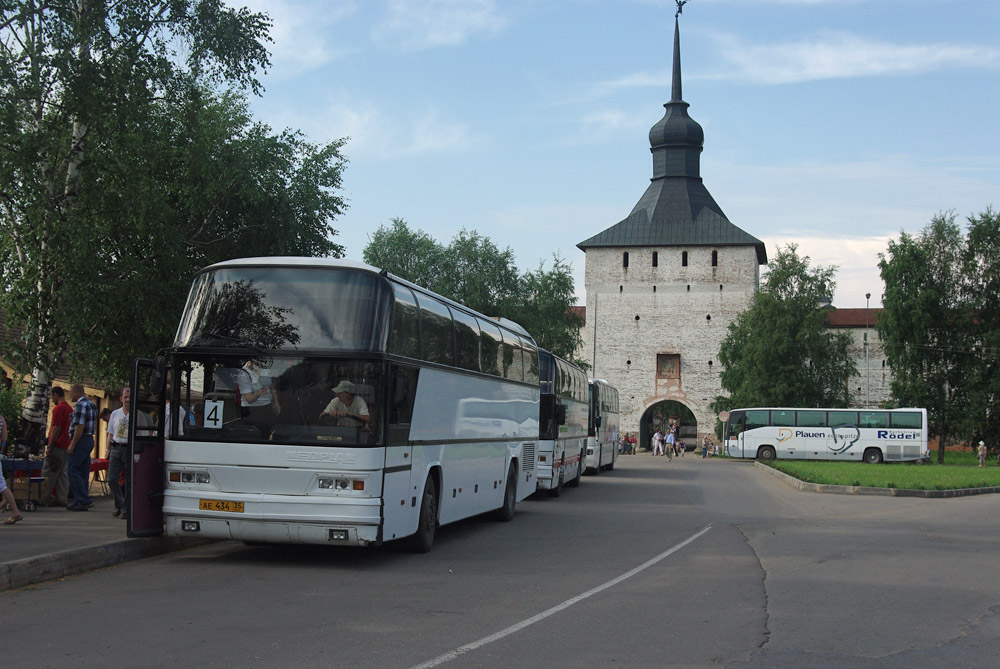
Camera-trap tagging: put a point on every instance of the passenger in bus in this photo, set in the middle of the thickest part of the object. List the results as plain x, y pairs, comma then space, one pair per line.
347, 408
259, 398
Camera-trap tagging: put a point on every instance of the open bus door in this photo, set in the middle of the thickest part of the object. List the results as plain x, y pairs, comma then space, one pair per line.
145, 447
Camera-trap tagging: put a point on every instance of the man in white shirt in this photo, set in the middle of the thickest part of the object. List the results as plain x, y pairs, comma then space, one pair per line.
349, 409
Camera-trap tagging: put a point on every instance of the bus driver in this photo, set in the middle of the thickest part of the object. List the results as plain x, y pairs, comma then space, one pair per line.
349, 409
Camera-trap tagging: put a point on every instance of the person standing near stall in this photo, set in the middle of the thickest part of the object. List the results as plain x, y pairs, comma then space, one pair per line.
54, 466
83, 424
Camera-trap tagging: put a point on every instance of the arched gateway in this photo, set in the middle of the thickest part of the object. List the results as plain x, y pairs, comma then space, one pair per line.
658, 415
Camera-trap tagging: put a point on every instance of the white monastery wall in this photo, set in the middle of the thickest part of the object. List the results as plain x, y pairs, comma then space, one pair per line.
870, 386
638, 312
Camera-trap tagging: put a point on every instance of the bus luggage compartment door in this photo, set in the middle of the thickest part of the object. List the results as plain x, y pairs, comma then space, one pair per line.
400, 500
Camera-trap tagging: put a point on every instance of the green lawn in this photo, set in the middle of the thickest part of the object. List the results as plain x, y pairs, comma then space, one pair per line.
959, 471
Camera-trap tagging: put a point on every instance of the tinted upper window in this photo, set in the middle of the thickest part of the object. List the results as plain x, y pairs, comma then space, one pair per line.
285, 308
404, 338
437, 333
530, 353
466, 340
491, 352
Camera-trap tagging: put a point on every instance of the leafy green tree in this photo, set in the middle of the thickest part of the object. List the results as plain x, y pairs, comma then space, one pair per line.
411, 254
544, 308
926, 325
474, 271
779, 352
981, 268
121, 172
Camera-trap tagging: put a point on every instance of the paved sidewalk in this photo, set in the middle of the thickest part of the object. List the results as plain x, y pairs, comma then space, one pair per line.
53, 542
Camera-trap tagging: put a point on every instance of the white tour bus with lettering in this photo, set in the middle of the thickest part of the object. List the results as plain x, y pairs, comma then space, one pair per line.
872, 435
330, 402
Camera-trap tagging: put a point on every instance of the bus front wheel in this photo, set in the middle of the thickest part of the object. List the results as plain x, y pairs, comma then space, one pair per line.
766, 453
506, 512
873, 456
422, 541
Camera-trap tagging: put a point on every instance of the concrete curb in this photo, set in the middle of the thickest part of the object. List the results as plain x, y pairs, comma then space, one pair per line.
862, 490
33, 570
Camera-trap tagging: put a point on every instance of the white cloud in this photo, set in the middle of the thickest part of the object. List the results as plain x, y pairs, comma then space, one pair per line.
301, 32
843, 55
375, 135
412, 25
856, 259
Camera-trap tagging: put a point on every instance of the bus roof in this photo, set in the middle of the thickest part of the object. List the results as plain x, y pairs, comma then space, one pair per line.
332, 263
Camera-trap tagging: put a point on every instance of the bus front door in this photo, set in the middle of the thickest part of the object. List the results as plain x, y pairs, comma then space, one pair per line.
145, 447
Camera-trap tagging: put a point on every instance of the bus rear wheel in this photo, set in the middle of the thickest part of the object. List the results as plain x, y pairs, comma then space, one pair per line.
873, 456
555, 492
575, 483
766, 453
422, 541
506, 512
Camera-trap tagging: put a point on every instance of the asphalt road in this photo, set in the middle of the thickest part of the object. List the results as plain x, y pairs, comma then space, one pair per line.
687, 563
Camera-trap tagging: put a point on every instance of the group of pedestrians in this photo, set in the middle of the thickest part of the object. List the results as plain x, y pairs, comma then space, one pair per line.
71, 440
667, 443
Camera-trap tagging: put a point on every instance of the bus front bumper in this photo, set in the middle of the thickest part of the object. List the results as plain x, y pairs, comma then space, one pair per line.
277, 519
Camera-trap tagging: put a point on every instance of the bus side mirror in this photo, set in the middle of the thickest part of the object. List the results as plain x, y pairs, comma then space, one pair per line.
560, 414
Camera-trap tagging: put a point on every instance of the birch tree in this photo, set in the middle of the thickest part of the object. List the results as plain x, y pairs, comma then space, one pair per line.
68, 70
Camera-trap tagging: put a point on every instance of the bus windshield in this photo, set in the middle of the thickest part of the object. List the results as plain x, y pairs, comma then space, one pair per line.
279, 400
278, 308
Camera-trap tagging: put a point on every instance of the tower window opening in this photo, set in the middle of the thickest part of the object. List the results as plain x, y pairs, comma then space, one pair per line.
684, 258
654, 289
625, 260
689, 287
620, 289
720, 287
708, 317
715, 258
656, 259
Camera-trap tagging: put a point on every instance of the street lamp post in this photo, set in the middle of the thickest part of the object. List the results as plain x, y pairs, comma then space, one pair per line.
868, 375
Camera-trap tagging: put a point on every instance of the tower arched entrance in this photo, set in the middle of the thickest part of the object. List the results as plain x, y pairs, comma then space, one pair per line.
668, 412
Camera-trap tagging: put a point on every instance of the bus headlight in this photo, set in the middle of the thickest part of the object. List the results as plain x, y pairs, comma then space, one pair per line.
340, 483
189, 477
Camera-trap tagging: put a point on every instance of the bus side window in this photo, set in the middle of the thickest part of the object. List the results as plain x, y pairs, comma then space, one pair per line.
404, 388
755, 419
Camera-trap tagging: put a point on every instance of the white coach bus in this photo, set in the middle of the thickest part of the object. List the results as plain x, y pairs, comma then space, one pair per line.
872, 435
562, 432
329, 402
602, 427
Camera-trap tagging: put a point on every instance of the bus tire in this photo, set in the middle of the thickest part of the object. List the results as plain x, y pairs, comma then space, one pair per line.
575, 483
766, 453
506, 512
555, 492
873, 456
422, 541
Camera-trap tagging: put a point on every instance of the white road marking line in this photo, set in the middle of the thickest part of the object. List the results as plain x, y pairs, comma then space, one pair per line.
451, 655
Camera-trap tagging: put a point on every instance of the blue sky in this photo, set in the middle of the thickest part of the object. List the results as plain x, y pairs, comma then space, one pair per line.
833, 124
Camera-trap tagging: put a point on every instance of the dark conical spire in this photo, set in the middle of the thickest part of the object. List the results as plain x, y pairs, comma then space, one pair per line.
676, 209
676, 140
675, 89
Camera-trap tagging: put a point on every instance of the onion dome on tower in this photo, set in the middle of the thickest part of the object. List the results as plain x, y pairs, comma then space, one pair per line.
676, 209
